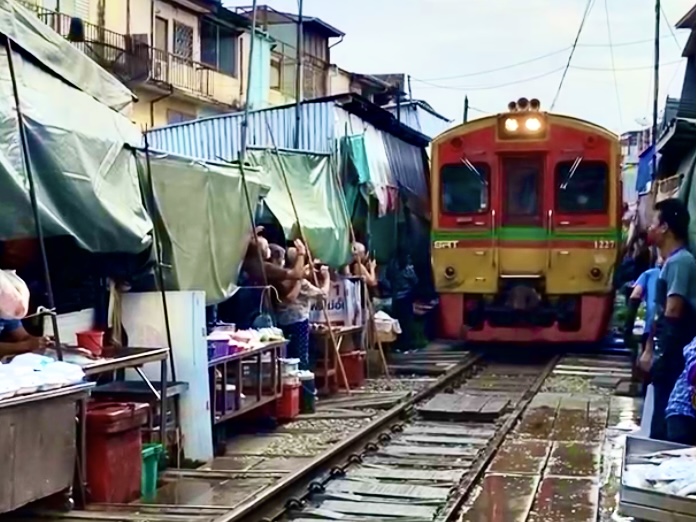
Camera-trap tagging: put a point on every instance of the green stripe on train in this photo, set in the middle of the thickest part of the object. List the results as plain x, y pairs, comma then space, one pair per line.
527, 234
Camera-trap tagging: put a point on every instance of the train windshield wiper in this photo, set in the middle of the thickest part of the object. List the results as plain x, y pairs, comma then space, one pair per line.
571, 172
473, 169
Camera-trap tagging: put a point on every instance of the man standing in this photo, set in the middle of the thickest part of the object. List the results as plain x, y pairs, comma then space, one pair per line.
675, 301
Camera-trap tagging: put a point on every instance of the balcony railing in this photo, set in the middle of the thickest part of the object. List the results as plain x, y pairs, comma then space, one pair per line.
130, 57
284, 71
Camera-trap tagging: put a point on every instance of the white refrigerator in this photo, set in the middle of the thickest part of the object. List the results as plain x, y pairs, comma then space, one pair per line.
143, 320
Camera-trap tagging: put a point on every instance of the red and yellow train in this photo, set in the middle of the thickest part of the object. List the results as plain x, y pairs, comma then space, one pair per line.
526, 227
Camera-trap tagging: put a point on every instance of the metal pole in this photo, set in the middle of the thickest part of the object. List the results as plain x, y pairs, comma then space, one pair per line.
656, 87
245, 119
465, 117
24, 144
298, 73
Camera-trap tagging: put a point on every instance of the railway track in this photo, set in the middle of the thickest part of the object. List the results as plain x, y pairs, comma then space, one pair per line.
423, 467
418, 460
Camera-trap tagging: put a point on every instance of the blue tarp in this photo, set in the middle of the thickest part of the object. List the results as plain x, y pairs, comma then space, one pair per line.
645, 170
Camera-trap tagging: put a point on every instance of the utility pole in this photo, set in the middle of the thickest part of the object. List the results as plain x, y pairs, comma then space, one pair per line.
298, 73
465, 116
656, 86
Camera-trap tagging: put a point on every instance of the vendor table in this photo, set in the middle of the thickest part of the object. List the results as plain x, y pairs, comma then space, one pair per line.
327, 362
255, 375
38, 449
135, 358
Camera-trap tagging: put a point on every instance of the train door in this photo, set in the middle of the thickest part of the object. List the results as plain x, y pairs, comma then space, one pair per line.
522, 215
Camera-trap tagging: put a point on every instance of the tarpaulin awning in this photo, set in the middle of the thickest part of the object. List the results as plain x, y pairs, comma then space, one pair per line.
202, 221
60, 56
317, 196
80, 149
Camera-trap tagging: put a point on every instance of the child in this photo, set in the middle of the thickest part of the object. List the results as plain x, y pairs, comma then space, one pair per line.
292, 313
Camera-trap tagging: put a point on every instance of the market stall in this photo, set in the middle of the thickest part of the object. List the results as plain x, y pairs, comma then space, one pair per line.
39, 402
657, 481
325, 355
243, 372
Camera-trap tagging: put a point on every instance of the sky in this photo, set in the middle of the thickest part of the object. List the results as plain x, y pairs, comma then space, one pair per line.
457, 48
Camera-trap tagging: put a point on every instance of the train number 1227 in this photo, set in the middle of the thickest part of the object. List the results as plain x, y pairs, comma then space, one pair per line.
604, 244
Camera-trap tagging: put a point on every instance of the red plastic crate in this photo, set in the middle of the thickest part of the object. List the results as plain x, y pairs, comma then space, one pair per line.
288, 406
354, 364
114, 451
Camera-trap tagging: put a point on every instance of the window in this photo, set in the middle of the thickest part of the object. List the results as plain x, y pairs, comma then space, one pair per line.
522, 179
183, 40
583, 189
464, 187
161, 34
178, 117
219, 47
275, 73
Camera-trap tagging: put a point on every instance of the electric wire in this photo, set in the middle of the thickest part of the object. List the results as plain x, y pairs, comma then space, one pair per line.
538, 76
588, 8
613, 63
534, 59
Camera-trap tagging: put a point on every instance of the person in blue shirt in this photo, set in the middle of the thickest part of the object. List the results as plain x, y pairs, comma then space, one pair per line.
680, 415
675, 314
15, 340
644, 290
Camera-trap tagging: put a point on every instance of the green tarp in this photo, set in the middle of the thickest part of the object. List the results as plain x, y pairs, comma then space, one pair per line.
318, 198
80, 149
202, 221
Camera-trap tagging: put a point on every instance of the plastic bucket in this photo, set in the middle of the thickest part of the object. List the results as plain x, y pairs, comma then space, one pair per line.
148, 484
91, 340
308, 395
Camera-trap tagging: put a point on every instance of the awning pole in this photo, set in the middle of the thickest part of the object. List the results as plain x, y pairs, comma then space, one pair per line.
24, 145
371, 325
332, 336
165, 308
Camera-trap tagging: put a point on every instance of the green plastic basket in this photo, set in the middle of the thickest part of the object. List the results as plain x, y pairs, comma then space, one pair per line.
151, 456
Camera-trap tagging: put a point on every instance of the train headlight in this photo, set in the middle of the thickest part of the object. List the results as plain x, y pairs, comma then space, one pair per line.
511, 125
450, 272
596, 274
532, 124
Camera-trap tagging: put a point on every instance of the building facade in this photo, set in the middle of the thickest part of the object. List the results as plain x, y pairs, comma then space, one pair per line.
184, 59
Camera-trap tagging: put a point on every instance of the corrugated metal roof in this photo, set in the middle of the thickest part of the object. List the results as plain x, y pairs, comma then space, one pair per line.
420, 118
221, 136
397, 158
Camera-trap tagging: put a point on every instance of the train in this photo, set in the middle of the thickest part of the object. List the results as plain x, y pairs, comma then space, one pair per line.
526, 227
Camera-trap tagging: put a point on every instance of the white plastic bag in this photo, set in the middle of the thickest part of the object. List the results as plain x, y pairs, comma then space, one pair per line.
14, 296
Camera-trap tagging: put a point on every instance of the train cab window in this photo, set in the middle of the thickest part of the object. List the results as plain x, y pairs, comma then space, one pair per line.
522, 190
464, 187
581, 187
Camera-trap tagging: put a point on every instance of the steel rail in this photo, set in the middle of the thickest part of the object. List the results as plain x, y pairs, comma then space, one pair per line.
253, 509
452, 511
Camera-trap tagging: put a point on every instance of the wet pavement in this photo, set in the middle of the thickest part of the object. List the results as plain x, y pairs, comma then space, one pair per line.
562, 462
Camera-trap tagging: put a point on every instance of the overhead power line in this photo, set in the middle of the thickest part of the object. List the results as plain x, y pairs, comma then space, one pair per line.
536, 59
536, 77
613, 64
588, 8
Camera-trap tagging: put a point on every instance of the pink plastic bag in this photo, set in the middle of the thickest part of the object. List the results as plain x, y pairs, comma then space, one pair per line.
14, 296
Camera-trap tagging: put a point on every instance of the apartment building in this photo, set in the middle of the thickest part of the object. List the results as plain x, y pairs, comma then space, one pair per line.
318, 39
183, 59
